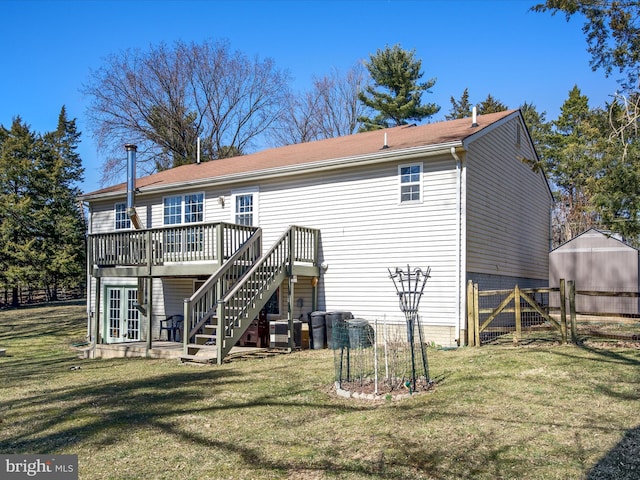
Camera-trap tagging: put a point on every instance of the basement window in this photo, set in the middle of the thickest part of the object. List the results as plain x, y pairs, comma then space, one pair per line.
410, 182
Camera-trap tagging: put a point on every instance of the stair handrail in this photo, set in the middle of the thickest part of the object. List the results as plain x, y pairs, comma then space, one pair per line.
257, 266
213, 284
284, 251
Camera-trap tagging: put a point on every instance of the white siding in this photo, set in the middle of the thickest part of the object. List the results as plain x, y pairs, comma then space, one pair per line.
364, 231
507, 207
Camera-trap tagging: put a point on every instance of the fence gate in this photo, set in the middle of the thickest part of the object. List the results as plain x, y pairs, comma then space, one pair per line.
494, 314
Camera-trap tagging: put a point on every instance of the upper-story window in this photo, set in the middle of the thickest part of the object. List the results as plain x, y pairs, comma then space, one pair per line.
183, 209
245, 207
410, 182
122, 219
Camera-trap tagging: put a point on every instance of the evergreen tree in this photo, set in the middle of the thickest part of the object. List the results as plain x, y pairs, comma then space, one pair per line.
41, 225
395, 92
19, 256
615, 184
491, 105
571, 166
460, 108
62, 219
538, 128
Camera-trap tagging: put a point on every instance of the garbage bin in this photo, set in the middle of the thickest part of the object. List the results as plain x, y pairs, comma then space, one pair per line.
317, 330
360, 333
337, 334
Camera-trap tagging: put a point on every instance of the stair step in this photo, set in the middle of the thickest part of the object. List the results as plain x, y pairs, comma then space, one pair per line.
197, 358
204, 339
202, 347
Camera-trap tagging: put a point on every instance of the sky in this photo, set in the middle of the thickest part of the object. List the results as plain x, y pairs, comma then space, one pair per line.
495, 47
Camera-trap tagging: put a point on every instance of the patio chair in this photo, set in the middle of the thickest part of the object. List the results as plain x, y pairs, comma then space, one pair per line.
173, 326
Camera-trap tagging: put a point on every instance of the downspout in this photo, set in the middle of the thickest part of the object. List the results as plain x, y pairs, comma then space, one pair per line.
458, 241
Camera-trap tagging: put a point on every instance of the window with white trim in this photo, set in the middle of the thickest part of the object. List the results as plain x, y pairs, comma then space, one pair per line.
410, 182
121, 218
245, 207
182, 209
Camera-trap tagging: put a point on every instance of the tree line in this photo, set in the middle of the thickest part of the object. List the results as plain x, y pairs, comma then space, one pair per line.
42, 230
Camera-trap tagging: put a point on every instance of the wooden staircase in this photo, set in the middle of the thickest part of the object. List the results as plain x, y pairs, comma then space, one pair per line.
217, 315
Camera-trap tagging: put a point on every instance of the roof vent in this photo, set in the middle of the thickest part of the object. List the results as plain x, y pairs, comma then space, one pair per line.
385, 141
474, 117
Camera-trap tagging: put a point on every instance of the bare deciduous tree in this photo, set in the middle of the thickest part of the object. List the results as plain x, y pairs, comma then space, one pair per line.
330, 109
165, 98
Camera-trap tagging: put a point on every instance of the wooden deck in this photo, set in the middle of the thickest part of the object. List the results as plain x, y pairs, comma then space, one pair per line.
160, 349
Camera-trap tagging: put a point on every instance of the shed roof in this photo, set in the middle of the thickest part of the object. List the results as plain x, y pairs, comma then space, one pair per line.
356, 146
593, 240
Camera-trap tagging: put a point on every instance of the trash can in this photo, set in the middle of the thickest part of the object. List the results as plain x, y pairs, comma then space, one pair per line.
360, 333
317, 330
337, 334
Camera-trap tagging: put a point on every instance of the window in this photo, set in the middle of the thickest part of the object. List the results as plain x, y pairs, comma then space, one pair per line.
410, 182
194, 208
184, 209
245, 207
122, 219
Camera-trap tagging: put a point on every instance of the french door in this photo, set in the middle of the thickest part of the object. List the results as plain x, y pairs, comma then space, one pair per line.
122, 318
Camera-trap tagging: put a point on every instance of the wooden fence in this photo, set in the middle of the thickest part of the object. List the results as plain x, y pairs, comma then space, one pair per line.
559, 314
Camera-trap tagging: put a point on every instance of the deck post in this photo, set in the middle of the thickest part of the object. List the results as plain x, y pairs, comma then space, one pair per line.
149, 301
96, 319
291, 293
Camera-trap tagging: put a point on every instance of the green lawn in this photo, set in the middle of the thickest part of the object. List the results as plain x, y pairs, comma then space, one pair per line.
497, 412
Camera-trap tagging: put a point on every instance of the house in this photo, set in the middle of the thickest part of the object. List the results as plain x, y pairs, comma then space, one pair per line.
598, 260
459, 197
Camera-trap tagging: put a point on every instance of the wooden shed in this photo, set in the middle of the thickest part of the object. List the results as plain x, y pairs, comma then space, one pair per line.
597, 260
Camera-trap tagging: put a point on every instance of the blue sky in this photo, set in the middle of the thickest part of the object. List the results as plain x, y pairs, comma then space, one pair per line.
497, 47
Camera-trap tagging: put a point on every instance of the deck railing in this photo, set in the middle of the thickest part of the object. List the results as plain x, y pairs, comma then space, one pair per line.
157, 246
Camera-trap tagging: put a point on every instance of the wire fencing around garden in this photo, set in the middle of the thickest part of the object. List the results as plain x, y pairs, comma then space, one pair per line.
376, 358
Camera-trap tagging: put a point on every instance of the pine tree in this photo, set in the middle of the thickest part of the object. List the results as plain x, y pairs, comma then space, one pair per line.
491, 105
460, 108
571, 165
395, 92
41, 225
19, 256
61, 220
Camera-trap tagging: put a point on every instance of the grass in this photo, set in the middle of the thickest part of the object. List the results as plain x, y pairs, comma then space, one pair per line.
497, 412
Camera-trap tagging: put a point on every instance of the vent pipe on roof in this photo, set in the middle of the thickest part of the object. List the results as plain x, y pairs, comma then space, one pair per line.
474, 117
131, 185
198, 152
385, 141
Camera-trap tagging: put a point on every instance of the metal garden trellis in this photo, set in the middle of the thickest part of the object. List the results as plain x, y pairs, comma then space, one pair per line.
410, 286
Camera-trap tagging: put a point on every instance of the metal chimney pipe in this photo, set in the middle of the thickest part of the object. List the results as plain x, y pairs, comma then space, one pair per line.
131, 177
